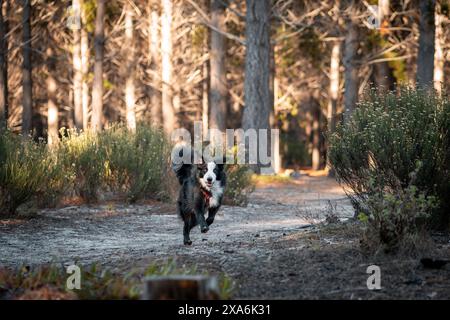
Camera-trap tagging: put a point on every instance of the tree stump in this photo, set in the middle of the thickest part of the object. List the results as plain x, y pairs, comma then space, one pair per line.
181, 287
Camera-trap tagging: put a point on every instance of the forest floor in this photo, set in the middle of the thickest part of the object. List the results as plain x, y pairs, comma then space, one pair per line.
277, 247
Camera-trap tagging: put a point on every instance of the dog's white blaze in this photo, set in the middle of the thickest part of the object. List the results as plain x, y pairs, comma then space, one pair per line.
209, 174
216, 190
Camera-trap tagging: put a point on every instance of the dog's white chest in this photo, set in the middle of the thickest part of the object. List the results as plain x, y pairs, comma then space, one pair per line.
216, 194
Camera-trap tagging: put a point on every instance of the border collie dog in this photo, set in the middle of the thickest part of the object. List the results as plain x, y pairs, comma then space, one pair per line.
202, 188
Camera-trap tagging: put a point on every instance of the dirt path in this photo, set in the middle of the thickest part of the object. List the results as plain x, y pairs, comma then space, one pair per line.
111, 232
270, 248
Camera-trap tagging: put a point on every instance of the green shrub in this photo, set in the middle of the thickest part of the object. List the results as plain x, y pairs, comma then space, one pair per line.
138, 163
83, 155
239, 184
26, 171
59, 183
384, 141
397, 220
119, 161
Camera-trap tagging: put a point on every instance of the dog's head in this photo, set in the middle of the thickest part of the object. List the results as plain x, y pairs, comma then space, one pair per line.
209, 172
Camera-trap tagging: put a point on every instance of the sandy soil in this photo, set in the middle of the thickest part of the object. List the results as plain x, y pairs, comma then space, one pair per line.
271, 249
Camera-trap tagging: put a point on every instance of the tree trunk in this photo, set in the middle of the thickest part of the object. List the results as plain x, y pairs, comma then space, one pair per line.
52, 109
168, 113
154, 45
97, 90
27, 85
273, 123
3, 68
439, 53
205, 90
77, 70
425, 59
272, 86
84, 70
382, 71
334, 85
257, 66
129, 85
333, 94
351, 69
218, 77
316, 136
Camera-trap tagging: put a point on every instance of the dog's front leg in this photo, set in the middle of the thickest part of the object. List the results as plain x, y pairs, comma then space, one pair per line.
211, 214
186, 230
201, 220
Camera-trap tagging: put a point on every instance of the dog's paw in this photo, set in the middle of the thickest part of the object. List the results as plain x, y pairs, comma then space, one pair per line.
209, 221
187, 242
204, 229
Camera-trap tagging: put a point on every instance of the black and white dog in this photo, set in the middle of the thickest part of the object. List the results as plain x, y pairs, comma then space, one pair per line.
202, 189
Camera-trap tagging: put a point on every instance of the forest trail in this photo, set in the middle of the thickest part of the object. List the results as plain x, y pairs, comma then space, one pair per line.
272, 248
112, 232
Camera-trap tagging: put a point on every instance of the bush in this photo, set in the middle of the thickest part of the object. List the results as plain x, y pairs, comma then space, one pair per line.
26, 171
89, 163
397, 220
118, 160
239, 184
84, 157
59, 183
389, 137
138, 163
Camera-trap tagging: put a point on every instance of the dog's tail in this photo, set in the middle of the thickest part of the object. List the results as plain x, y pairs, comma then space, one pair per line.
182, 161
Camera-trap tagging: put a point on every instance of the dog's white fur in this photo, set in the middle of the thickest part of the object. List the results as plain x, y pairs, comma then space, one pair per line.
215, 188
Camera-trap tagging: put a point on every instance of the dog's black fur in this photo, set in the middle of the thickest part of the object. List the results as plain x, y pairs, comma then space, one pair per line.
197, 196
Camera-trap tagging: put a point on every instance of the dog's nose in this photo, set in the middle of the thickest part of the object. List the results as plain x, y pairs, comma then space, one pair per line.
209, 179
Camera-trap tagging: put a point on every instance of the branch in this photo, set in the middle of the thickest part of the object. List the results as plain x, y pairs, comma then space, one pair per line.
390, 59
207, 22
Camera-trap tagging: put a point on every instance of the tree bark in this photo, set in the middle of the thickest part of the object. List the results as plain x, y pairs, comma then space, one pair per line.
383, 74
218, 77
257, 69
257, 66
129, 85
168, 113
3, 67
333, 93
97, 90
425, 59
316, 136
52, 109
350, 61
439, 52
27, 85
334, 85
77, 70
154, 45
205, 89
84, 69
